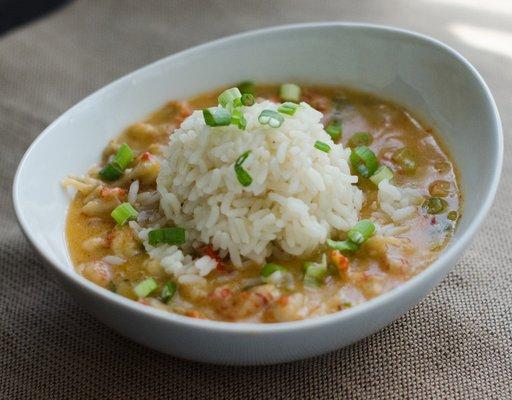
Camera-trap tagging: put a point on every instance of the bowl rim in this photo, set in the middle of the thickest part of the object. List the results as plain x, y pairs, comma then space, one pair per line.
382, 300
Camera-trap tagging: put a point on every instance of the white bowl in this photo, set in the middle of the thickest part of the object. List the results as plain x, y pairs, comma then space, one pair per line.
419, 72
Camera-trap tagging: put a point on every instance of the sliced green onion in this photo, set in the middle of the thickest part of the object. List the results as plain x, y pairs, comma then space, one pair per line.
453, 216
405, 159
315, 270
360, 233
173, 236
334, 129
145, 288
289, 92
288, 108
434, 205
228, 96
345, 245
247, 87
235, 104
113, 170
240, 160
242, 175
314, 273
247, 99
382, 173
322, 146
270, 268
124, 212
360, 139
238, 119
124, 156
216, 116
364, 161
110, 172
168, 291
271, 118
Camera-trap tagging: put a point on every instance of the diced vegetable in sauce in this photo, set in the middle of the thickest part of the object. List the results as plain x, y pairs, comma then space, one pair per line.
434, 205
439, 188
360, 139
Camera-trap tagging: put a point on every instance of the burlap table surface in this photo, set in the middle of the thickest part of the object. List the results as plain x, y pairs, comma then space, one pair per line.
456, 344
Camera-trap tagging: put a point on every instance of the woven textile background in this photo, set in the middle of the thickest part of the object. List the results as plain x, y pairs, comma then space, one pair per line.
456, 344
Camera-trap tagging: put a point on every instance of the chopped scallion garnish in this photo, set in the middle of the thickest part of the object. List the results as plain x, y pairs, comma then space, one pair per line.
110, 172
288, 108
168, 291
114, 169
173, 236
334, 129
361, 232
238, 119
271, 118
247, 87
364, 161
345, 245
289, 92
315, 270
123, 213
124, 156
228, 96
145, 288
360, 139
247, 99
382, 173
242, 175
322, 146
270, 268
315, 273
240, 160
216, 116
235, 104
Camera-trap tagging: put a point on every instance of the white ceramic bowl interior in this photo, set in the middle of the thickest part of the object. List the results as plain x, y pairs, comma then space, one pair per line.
421, 73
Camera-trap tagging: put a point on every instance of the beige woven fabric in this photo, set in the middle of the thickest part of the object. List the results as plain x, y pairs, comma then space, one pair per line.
457, 344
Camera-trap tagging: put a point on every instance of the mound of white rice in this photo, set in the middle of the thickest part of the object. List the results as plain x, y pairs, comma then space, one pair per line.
299, 194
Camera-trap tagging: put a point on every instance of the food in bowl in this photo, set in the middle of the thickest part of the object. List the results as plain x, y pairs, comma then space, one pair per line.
264, 204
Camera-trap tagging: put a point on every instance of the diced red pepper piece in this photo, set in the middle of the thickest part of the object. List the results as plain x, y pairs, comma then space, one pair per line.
210, 252
339, 260
106, 191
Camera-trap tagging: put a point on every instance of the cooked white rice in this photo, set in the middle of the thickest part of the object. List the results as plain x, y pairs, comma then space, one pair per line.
132, 192
172, 259
398, 203
298, 196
